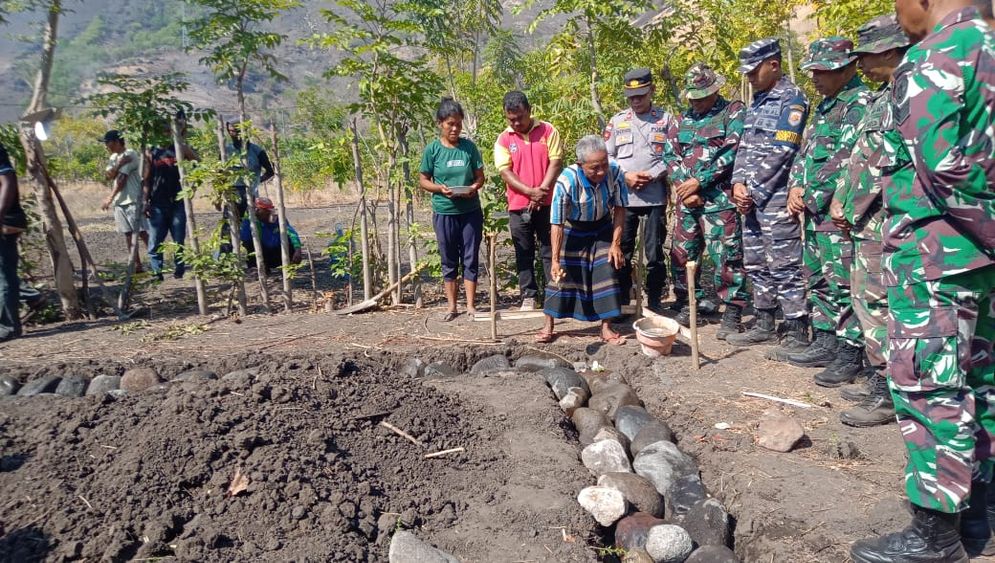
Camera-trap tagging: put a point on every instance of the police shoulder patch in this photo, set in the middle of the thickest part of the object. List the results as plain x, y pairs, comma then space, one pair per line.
795, 117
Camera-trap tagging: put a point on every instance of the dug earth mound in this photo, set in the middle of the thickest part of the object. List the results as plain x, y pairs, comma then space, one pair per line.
289, 457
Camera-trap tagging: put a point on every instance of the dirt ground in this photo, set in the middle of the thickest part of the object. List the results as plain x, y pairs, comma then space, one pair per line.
86, 477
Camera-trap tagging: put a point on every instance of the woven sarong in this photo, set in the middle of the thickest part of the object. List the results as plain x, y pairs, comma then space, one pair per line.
589, 291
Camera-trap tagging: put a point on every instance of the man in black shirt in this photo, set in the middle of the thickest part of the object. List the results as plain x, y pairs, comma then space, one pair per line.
165, 211
13, 222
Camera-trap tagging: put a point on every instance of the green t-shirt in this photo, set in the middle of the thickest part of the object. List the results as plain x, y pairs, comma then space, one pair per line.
452, 167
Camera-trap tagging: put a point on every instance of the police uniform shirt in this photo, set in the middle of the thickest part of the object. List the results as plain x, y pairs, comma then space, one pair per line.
636, 143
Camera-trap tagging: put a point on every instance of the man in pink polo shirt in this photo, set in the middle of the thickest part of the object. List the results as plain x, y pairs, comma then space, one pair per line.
529, 156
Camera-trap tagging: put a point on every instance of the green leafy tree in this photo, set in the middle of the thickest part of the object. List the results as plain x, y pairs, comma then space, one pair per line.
143, 109
843, 17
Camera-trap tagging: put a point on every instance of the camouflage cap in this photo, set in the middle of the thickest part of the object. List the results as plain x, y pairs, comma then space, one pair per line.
881, 34
701, 82
757, 52
829, 53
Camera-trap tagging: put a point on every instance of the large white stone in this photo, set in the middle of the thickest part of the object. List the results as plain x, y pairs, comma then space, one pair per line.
667, 543
607, 505
606, 456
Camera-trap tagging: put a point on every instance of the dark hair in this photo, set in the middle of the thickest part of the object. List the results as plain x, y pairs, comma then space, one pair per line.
516, 100
448, 107
985, 7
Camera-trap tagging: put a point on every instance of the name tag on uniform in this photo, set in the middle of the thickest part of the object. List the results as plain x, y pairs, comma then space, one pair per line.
623, 138
623, 125
659, 138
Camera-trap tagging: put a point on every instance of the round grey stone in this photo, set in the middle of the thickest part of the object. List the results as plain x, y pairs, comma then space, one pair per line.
683, 494
440, 369
630, 419
609, 399
561, 380
667, 543
537, 363
103, 384
662, 464
414, 367
606, 456
139, 379
708, 523
491, 363
651, 433
637, 490
38, 386
72, 386
610, 433
713, 554
8, 385
406, 548
588, 422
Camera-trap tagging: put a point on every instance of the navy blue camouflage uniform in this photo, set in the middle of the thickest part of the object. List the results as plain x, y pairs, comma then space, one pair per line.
772, 135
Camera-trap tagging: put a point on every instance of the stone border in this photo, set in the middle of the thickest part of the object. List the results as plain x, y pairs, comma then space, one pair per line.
133, 380
648, 495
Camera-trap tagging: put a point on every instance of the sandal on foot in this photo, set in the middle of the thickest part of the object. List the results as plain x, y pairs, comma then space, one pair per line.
450, 316
544, 337
616, 340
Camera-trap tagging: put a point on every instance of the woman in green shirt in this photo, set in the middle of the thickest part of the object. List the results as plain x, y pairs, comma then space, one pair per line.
453, 172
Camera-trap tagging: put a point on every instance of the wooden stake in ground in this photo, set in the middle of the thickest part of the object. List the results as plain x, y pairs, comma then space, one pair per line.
364, 240
191, 219
638, 269
492, 271
234, 229
692, 268
282, 211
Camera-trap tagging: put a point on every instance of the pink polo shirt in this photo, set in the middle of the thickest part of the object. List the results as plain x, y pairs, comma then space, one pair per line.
528, 156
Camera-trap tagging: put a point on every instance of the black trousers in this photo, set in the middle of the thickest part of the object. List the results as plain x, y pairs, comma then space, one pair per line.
524, 235
10, 288
654, 233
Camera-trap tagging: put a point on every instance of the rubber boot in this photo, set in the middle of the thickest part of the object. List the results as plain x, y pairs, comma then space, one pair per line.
975, 530
819, 354
932, 537
732, 321
844, 369
876, 409
684, 317
707, 306
762, 332
859, 391
793, 341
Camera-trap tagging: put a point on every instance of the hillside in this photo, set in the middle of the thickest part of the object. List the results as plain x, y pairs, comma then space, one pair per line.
147, 36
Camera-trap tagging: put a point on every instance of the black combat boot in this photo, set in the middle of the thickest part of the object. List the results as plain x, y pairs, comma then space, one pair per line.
819, 354
860, 390
975, 529
932, 537
844, 369
876, 409
794, 340
732, 321
762, 332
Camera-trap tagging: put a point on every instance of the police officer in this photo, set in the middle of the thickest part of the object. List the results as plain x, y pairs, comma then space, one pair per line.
635, 139
939, 267
857, 209
706, 219
827, 255
772, 134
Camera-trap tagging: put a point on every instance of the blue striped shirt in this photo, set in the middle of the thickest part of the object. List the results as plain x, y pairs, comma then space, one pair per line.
575, 199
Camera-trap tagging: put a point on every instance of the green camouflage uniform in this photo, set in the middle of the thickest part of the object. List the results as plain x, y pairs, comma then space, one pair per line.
706, 150
827, 254
939, 261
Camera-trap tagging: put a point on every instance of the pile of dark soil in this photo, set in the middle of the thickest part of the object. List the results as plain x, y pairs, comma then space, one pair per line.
151, 474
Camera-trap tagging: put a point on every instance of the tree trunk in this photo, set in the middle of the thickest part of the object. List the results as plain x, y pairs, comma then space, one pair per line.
62, 266
364, 240
234, 229
410, 191
191, 220
257, 241
595, 99
393, 263
282, 210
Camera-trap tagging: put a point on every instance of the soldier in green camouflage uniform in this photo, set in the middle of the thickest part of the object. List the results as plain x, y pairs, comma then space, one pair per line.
700, 167
939, 265
858, 210
827, 254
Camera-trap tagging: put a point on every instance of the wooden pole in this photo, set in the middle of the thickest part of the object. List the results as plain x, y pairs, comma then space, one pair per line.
492, 271
284, 237
191, 219
234, 227
364, 240
638, 268
692, 268
250, 195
